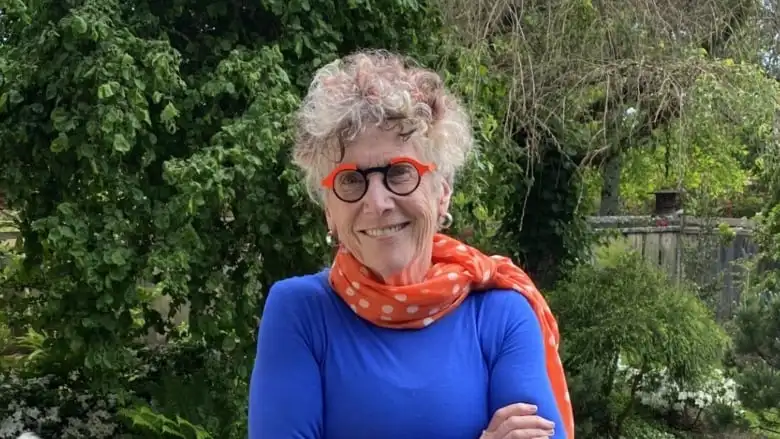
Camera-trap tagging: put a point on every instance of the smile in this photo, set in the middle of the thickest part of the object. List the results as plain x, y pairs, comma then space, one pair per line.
384, 231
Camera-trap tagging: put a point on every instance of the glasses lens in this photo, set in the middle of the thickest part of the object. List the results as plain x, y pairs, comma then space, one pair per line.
349, 185
402, 178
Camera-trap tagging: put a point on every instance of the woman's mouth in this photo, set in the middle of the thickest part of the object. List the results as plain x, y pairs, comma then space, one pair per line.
380, 232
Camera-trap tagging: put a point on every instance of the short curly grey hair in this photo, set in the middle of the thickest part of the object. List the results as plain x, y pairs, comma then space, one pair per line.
378, 87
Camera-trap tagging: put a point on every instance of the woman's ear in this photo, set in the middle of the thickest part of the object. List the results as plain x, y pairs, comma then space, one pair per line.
329, 220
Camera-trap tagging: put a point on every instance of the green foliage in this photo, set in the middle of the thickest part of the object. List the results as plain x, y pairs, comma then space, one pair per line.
520, 196
55, 406
757, 323
145, 148
545, 227
640, 429
617, 308
712, 149
477, 202
147, 420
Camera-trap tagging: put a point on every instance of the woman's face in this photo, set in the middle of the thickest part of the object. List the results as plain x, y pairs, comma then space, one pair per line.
388, 233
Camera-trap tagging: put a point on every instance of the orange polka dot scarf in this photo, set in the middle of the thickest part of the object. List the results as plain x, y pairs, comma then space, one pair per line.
456, 271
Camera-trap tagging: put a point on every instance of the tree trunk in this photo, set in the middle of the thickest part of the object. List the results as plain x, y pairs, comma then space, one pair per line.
610, 190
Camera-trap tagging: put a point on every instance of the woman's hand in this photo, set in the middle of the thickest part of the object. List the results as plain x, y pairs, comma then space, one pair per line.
518, 421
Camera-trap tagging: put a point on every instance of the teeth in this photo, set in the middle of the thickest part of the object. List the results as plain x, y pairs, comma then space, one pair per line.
384, 230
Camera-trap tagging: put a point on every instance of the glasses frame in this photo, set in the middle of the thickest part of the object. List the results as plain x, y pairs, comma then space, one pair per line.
329, 181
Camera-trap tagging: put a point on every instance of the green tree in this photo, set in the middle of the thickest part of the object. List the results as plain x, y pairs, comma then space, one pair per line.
712, 152
144, 146
609, 82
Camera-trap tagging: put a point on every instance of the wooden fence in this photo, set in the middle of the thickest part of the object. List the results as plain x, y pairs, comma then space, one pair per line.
711, 252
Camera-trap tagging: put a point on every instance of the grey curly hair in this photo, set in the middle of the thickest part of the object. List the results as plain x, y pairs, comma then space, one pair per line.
381, 88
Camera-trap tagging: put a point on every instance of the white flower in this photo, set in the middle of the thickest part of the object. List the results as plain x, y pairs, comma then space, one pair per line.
28, 435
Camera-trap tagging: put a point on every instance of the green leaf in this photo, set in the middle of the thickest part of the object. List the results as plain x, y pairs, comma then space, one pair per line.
15, 97
60, 143
118, 258
172, 432
78, 25
121, 144
169, 113
105, 91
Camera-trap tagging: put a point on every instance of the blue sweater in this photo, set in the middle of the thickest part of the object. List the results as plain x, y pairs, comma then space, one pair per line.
322, 372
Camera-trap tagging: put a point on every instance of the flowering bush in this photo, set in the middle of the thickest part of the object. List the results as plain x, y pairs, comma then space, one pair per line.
54, 409
657, 390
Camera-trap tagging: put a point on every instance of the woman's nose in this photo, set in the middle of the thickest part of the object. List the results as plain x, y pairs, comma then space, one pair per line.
377, 199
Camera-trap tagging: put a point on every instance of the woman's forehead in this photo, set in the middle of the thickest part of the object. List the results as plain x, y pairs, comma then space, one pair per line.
367, 153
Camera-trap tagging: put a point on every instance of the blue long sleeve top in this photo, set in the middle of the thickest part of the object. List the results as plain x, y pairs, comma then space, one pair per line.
322, 372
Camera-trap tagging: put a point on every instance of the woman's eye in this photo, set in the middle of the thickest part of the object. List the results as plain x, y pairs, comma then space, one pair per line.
401, 172
350, 179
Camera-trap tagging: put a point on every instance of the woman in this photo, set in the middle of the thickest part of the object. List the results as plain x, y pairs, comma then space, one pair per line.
410, 334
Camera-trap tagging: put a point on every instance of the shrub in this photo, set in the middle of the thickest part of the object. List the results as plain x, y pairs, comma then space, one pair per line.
617, 307
53, 407
758, 355
709, 402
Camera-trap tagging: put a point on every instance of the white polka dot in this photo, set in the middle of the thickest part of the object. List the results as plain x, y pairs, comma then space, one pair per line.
355, 285
412, 309
551, 340
433, 311
455, 289
486, 276
386, 318
387, 309
350, 291
363, 303
427, 321
440, 243
400, 297
461, 248
437, 273
566, 397
341, 273
354, 308
452, 276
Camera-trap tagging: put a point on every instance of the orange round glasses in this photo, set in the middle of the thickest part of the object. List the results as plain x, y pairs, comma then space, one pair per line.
401, 176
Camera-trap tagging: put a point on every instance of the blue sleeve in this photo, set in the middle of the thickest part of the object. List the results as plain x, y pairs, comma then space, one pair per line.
285, 390
519, 372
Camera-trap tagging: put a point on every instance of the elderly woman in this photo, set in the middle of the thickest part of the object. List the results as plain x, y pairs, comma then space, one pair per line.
410, 333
